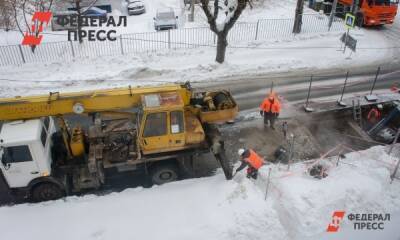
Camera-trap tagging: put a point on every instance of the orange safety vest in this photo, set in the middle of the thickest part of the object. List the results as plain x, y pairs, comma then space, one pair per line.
267, 106
254, 160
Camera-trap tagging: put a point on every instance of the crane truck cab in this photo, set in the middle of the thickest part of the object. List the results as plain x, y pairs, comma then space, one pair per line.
25, 151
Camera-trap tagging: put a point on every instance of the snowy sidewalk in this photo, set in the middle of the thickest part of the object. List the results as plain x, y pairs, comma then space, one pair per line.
298, 207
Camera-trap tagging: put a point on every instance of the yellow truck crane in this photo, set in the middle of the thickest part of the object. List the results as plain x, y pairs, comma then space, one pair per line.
159, 129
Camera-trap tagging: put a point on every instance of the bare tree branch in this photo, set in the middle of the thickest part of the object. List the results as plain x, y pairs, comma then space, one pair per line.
209, 15
216, 9
239, 9
232, 11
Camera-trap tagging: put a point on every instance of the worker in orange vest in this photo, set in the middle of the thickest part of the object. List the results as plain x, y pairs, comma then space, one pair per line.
251, 159
374, 115
270, 109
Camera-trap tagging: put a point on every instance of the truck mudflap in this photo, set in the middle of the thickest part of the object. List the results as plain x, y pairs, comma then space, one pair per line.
217, 148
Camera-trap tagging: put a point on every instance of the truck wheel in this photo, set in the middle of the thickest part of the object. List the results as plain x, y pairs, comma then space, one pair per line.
164, 173
46, 192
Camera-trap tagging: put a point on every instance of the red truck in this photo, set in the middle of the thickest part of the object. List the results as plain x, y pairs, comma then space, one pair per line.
374, 12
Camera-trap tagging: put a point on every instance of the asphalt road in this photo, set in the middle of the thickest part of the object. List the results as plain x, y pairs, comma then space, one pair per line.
292, 86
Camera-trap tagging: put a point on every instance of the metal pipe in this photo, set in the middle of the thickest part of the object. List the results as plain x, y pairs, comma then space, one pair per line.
309, 91
376, 78
344, 86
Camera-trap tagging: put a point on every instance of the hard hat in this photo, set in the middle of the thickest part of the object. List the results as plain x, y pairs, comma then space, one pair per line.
379, 106
240, 151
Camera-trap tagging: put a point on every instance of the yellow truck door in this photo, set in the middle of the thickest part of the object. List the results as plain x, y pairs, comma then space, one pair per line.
155, 132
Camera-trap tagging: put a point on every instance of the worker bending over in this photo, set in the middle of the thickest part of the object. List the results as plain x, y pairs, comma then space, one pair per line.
374, 115
270, 109
251, 159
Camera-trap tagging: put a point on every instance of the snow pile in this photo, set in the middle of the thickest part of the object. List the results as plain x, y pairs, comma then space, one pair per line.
359, 184
207, 208
298, 207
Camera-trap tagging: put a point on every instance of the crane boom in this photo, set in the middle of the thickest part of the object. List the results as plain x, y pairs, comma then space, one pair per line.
56, 103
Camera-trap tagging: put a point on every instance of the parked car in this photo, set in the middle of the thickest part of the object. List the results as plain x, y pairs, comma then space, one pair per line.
190, 1
165, 19
93, 12
135, 7
55, 26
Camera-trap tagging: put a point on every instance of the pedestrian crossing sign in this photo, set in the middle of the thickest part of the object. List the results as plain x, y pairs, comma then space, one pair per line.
350, 20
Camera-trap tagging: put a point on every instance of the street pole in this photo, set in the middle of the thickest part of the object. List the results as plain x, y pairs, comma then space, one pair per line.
298, 16
268, 180
272, 87
291, 151
340, 102
376, 78
308, 109
338, 158
346, 39
333, 12
354, 7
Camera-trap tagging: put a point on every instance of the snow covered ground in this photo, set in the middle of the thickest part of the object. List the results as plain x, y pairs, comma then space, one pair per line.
138, 23
303, 52
297, 207
144, 22
196, 65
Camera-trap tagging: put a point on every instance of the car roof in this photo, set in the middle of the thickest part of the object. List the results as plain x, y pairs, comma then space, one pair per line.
164, 10
68, 12
134, 2
94, 8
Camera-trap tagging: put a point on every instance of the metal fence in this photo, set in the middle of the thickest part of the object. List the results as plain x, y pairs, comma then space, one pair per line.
264, 29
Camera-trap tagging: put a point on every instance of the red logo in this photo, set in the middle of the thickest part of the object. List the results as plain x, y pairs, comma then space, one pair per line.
34, 38
336, 218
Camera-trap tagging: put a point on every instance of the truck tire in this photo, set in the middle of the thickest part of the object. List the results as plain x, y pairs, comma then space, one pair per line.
164, 173
46, 192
